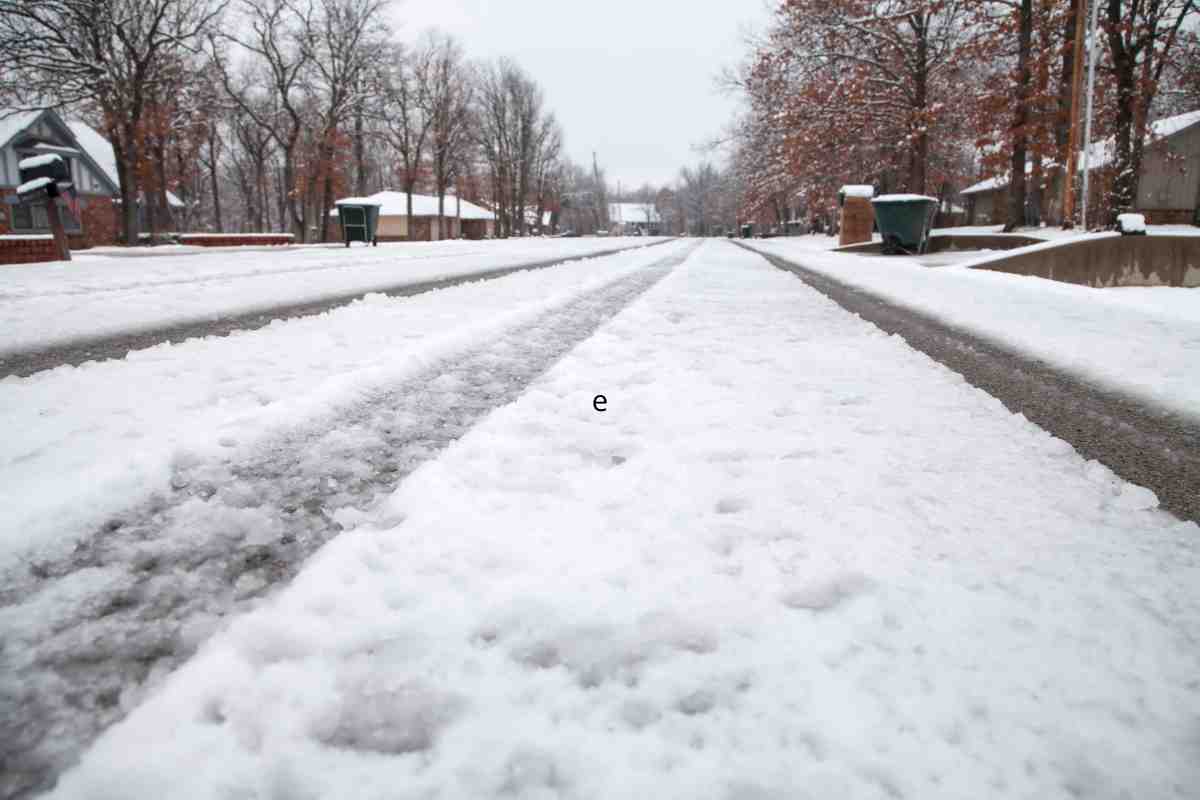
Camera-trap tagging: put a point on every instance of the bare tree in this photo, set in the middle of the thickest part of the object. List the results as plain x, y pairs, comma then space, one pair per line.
405, 118
278, 59
449, 94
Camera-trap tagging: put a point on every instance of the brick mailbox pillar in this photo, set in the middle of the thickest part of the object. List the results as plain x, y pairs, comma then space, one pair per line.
857, 214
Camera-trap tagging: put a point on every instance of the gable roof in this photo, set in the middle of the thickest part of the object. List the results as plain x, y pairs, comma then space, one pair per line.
1100, 154
13, 123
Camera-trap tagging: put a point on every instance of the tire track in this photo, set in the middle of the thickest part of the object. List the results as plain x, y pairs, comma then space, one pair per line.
79, 351
84, 638
1146, 446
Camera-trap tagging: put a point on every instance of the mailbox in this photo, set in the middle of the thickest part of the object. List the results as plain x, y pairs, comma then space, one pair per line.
50, 166
44, 176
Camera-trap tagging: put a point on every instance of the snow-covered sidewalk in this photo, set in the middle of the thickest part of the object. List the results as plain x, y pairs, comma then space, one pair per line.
98, 295
794, 558
1143, 342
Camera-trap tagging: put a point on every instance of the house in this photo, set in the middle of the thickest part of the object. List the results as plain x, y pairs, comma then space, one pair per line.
462, 219
93, 218
1168, 190
634, 219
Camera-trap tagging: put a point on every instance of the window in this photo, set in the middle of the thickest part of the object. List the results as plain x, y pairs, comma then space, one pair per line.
32, 218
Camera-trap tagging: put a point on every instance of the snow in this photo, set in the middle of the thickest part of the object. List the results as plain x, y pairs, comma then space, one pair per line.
24, 237
902, 198
13, 122
794, 558
858, 191
34, 162
1131, 223
633, 213
95, 295
395, 204
34, 185
1144, 342
165, 406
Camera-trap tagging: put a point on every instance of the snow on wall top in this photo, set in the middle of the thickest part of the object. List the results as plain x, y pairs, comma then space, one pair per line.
395, 204
38, 161
858, 190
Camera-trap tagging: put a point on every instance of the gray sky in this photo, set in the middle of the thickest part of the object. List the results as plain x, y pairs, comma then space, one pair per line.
631, 79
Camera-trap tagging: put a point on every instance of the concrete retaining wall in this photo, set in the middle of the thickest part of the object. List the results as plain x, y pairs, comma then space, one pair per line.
1112, 261
953, 241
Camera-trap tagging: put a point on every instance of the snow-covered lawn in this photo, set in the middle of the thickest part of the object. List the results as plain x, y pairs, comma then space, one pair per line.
96, 295
1143, 341
80, 443
794, 558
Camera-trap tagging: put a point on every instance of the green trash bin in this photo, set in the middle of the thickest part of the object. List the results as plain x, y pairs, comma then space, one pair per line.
904, 221
359, 219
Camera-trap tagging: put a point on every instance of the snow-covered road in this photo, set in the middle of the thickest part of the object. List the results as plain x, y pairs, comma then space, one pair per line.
1143, 342
108, 588
794, 558
97, 295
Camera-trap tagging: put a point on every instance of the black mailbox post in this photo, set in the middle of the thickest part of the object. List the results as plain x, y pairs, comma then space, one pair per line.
46, 178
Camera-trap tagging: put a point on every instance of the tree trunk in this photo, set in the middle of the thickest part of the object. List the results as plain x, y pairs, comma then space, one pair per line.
360, 155
1016, 185
216, 190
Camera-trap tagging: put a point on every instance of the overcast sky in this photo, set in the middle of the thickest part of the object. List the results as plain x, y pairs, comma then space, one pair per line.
631, 79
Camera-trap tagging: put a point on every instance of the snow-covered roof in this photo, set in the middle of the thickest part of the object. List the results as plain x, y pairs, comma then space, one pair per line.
1100, 154
395, 204
100, 151
13, 122
633, 212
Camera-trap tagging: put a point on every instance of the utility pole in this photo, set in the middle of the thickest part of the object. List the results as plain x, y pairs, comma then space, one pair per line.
1073, 137
1087, 128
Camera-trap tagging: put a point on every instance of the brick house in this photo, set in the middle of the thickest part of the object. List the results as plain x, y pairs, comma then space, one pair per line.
92, 219
1168, 191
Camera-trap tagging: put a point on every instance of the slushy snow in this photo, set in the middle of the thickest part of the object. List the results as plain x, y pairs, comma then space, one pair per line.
794, 558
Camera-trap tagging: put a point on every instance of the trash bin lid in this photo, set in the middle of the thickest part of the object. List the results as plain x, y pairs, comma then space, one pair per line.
903, 198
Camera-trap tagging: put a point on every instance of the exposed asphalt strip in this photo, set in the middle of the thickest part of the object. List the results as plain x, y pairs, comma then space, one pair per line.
80, 351
1146, 446
84, 638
